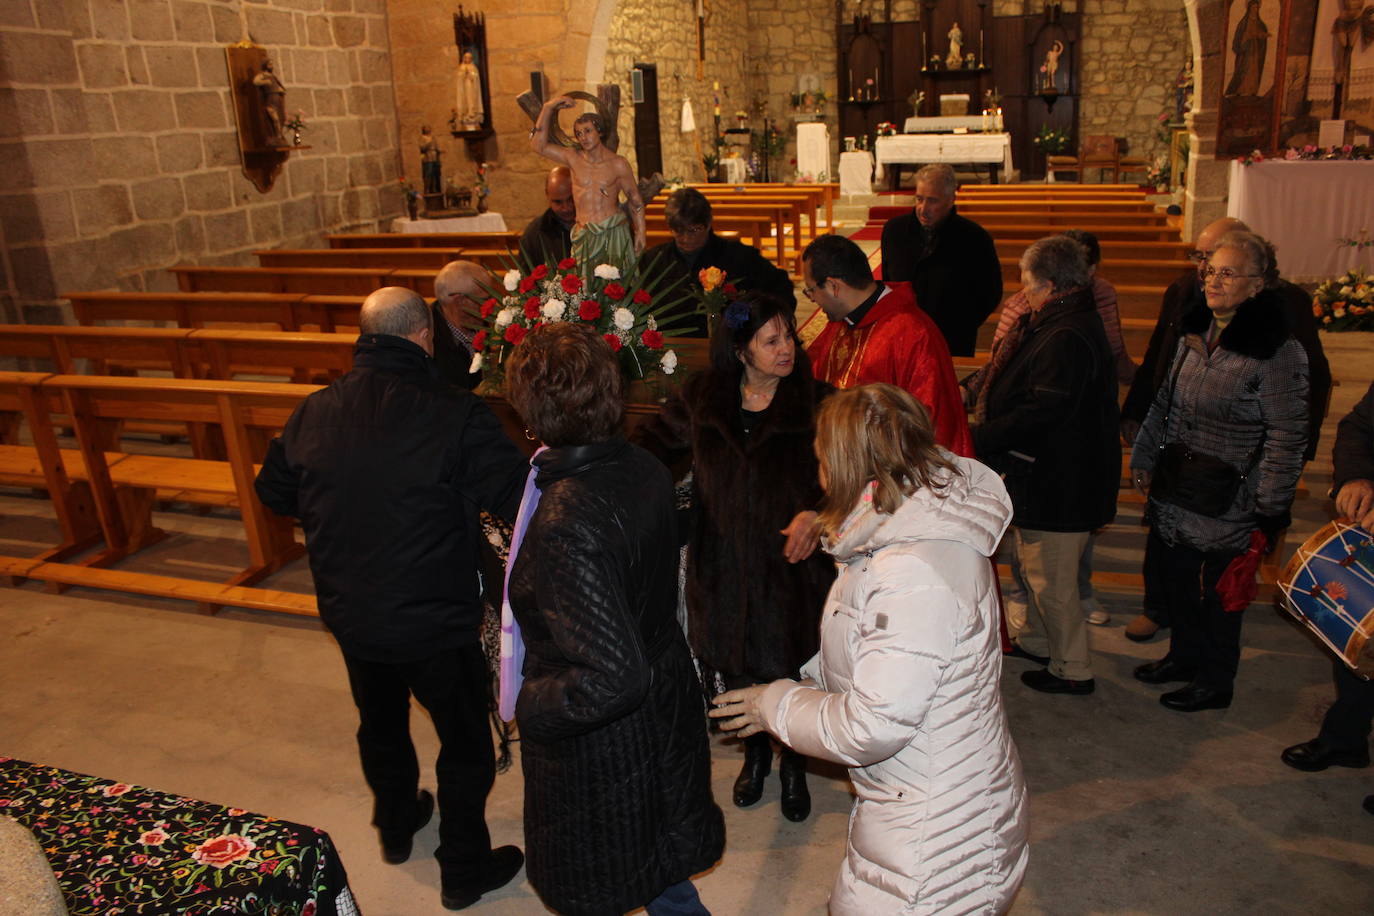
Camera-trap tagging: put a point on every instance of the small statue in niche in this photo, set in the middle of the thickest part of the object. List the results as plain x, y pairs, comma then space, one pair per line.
917, 99
430, 167
1051, 65
272, 95
470, 112
955, 59
970, 62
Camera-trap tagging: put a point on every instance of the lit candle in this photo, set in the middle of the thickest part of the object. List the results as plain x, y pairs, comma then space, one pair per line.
999, 119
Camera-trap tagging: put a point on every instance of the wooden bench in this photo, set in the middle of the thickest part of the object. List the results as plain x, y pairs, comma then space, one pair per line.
1119, 270
1024, 232
810, 201
303, 280
776, 216
1088, 209
828, 191
508, 239
265, 311
431, 258
1113, 250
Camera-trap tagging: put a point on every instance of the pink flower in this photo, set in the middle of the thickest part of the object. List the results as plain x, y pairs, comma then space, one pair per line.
118, 788
155, 837
223, 850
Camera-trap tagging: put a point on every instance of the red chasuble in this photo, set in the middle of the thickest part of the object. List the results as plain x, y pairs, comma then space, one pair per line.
897, 343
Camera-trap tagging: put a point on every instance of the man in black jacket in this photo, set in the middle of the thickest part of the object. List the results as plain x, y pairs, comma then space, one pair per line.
458, 294
950, 262
548, 237
695, 247
386, 469
1183, 296
1344, 737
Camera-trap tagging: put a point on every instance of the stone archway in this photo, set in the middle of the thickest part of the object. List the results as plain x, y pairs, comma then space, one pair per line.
1208, 178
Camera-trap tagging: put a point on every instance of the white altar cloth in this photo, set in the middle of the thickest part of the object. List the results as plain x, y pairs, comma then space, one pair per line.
482, 222
1303, 208
856, 172
924, 148
942, 125
813, 151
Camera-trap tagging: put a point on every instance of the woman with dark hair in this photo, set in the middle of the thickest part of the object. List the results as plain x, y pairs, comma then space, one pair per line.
905, 690
1234, 409
618, 807
755, 584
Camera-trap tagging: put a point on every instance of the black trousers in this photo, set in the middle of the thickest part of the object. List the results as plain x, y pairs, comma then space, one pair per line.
1204, 638
1346, 725
453, 687
1155, 604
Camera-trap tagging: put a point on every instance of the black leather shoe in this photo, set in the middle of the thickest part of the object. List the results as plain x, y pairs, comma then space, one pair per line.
1196, 697
758, 761
503, 865
1312, 756
396, 850
1163, 671
1017, 652
1045, 682
796, 798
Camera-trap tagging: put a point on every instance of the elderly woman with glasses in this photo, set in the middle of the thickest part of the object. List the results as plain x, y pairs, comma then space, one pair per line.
1219, 455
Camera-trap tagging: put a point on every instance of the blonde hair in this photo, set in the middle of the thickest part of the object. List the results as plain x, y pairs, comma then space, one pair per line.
879, 433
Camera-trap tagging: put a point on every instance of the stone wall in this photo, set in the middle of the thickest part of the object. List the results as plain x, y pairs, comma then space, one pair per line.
652, 32
1131, 53
794, 38
118, 150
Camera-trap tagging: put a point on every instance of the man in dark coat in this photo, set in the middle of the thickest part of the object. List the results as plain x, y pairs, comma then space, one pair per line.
950, 262
458, 294
548, 237
695, 247
386, 469
1185, 295
1046, 419
1344, 737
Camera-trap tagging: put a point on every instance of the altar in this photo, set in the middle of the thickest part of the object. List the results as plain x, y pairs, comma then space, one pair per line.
1304, 208
481, 222
992, 150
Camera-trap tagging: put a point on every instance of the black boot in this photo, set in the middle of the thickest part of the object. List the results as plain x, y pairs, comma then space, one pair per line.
796, 798
758, 760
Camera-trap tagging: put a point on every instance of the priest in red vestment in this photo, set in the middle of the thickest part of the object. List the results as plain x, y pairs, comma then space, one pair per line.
877, 333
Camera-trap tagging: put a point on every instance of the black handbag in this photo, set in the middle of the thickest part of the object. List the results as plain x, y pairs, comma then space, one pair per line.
1194, 480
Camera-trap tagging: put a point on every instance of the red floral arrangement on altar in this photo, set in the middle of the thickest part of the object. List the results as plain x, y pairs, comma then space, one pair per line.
623, 313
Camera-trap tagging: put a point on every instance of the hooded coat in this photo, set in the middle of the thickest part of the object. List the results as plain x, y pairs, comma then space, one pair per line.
907, 695
617, 769
750, 612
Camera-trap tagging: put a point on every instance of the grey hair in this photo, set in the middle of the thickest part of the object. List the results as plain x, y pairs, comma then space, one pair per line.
1258, 252
941, 174
1059, 261
460, 277
393, 310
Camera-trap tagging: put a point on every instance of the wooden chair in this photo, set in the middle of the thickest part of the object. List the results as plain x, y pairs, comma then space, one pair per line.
1099, 151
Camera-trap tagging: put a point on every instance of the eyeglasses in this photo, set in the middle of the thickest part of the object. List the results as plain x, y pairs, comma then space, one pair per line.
809, 291
1225, 275
1199, 257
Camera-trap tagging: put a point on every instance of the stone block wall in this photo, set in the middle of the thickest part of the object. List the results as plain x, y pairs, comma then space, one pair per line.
118, 150
793, 38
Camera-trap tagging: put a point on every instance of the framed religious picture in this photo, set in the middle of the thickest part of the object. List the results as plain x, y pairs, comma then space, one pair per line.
472, 86
1247, 108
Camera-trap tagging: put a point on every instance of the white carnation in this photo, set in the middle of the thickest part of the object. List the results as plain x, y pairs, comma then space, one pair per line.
476, 364
553, 310
669, 362
512, 280
506, 316
624, 319
607, 271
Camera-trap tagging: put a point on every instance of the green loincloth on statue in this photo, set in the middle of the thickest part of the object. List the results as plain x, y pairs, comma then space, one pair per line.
607, 241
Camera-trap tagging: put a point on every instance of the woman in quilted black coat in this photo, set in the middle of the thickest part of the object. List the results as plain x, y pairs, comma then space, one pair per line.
755, 580
618, 807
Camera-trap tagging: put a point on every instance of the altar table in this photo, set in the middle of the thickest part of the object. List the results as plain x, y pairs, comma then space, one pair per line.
993, 150
117, 848
482, 222
1303, 207
856, 173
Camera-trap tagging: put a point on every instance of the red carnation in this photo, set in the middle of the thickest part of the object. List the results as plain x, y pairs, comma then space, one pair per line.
515, 334
567, 264
730, 289
652, 339
572, 284
589, 310
479, 340
532, 306
642, 298
526, 284
540, 272
487, 307
615, 290
613, 341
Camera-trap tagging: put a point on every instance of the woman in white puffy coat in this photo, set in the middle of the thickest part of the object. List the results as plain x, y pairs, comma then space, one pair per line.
905, 688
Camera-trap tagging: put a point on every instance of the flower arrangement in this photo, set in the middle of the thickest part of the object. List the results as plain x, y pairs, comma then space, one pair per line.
1345, 303
716, 291
622, 312
1158, 176
1311, 152
1052, 140
886, 129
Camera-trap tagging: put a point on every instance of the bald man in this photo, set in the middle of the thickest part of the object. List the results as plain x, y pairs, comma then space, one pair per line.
460, 287
1182, 296
548, 237
387, 469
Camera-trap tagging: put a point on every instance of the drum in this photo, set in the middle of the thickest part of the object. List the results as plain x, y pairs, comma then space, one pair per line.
1329, 586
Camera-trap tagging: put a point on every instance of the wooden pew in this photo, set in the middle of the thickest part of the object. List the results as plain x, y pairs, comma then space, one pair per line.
1025, 232
829, 191
755, 230
507, 239
1084, 209
1068, 219
303, 280
810, 201
1113, 250
383, 258
186, 311
1124, 272
777, 216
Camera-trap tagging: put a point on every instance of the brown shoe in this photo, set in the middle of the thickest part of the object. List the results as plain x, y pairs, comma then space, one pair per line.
1141, 628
